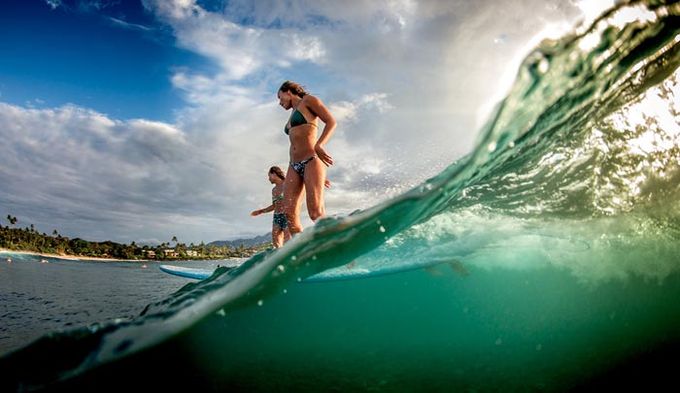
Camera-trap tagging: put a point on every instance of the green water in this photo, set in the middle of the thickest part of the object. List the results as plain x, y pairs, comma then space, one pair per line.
490, 329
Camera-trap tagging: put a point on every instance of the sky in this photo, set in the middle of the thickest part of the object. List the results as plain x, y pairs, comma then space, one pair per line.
142, 120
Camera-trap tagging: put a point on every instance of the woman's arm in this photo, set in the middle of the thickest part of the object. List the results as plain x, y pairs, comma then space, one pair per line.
317, 107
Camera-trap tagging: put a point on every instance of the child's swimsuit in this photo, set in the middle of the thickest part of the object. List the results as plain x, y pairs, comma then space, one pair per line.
280, 219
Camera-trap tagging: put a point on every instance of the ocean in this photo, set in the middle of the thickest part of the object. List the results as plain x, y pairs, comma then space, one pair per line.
41, 295
561, 231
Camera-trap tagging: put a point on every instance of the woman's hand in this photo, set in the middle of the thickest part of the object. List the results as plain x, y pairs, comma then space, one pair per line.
256, 213
323, 156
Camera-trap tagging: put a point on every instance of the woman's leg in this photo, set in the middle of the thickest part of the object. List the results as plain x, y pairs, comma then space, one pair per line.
292, 193
315, 176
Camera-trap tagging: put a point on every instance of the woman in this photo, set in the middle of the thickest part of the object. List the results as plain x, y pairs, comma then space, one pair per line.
280, 233
308, 157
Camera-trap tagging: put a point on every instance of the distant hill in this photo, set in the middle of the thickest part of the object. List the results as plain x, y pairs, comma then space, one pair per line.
255, 241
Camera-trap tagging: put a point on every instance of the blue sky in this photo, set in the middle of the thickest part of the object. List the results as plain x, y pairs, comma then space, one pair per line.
116, 59
141, 120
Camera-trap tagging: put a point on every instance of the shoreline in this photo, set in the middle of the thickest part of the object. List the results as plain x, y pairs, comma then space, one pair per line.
68, 257
71, 257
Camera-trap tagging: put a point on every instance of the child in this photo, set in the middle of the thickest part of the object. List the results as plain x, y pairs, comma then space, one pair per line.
280, 232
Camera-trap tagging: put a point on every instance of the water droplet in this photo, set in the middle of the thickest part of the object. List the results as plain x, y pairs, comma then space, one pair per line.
511, 144
491, 146
281, 268
293, 258
382, 229
221, 312
260, 302
285, 291
313, 257
299, 279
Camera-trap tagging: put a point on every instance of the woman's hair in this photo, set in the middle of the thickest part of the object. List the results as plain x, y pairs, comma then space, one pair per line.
278, 172
294, 88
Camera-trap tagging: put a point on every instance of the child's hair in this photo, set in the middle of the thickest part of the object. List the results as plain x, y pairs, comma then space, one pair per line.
278, 172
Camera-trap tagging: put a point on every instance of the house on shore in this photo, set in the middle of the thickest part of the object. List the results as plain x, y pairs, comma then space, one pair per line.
170, 253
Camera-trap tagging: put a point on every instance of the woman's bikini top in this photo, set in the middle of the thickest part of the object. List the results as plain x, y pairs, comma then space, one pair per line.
296, 119
277, 198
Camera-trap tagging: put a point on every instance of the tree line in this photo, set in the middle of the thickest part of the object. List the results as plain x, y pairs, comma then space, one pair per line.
29, 239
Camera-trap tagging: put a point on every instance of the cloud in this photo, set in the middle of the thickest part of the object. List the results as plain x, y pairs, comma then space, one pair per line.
345, 111
71, 167
53, 3
83, 5
408, 82
128, 25
308, 14
240, 50
439, 62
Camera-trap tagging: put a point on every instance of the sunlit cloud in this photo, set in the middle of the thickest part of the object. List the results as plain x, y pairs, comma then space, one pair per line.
408, 82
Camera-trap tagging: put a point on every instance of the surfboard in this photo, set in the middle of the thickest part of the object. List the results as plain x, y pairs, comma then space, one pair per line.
350, 272
187, 272
347, 272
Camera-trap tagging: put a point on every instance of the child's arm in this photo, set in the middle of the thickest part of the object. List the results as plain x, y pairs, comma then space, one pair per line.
264, 210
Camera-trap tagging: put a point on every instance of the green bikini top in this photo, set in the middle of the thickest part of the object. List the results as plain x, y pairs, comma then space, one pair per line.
277, 198
296, 119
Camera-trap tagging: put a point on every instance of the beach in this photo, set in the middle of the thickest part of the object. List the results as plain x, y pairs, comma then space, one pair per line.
69, 257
